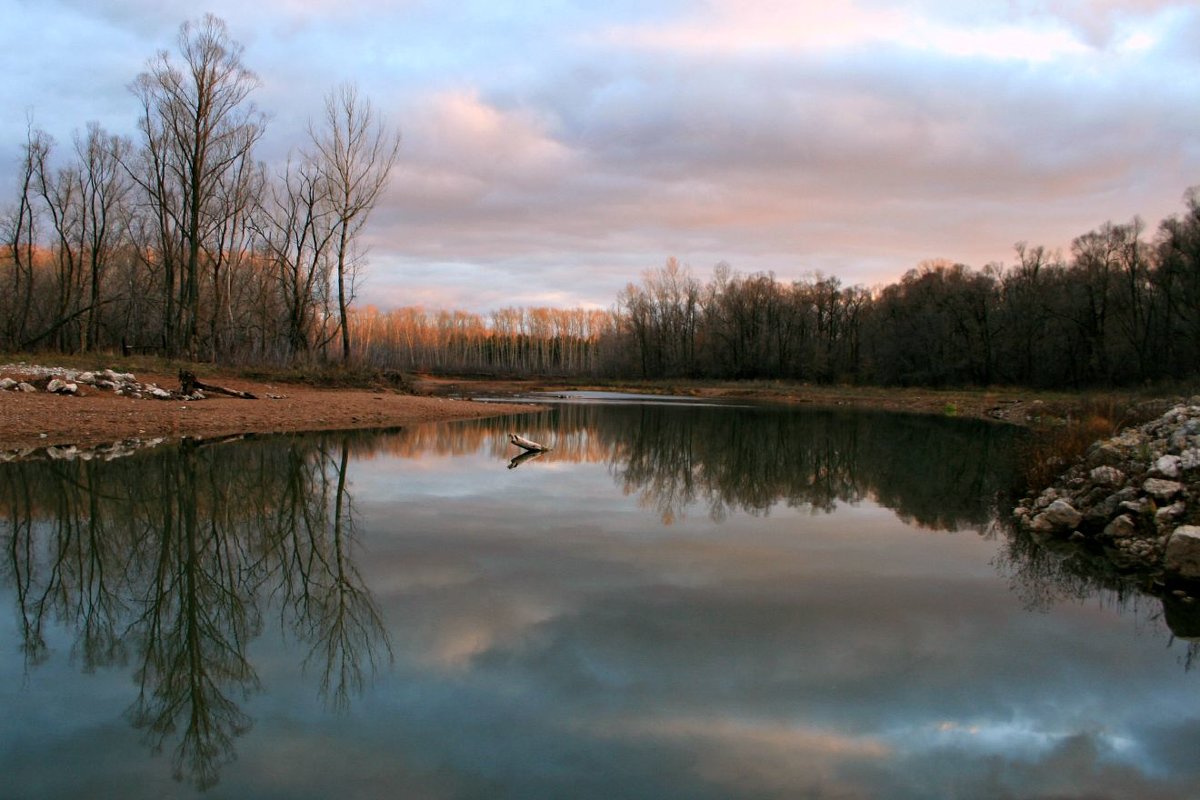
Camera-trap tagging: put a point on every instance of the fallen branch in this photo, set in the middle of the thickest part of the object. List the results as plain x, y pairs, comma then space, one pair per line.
189, 384
29, 343
526, 444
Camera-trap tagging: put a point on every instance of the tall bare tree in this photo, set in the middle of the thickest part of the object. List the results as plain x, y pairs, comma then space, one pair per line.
199, 125
296, 228
105, 188
355, 154
20, 237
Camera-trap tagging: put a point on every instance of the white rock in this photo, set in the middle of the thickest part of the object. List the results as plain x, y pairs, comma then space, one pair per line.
1183, 551
161, 394
86, 377
1139, 506
1170, 513
55, 386
1061, 515
1046, 498
1107, 476
26, 387
7, 383
1161, 489
1168, 466
1121, 527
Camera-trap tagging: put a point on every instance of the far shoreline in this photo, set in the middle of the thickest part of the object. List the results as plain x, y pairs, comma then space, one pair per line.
1012, 405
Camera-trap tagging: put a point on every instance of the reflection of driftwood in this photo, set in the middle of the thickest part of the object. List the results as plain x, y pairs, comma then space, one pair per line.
188, 383
526, 444
528, 455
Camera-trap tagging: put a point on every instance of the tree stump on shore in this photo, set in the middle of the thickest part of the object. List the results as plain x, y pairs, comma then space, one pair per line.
188, 383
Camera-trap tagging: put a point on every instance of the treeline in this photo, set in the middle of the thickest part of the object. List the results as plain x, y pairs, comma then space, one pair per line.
180, 241
1122, 308
518, 341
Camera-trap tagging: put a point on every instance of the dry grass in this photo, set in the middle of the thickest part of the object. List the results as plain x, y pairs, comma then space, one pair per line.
1053, 448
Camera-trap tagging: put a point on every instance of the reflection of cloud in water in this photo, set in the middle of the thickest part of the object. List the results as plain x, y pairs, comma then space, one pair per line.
850, 625
552, 638
1023, 736
755, 756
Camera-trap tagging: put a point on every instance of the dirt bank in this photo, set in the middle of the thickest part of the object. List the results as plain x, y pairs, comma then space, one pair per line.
99, 416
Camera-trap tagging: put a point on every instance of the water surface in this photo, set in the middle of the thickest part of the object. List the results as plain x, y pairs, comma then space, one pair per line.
676, 601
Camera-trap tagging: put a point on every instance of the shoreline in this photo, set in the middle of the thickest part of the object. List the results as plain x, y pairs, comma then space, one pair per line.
1015, 406
96, 417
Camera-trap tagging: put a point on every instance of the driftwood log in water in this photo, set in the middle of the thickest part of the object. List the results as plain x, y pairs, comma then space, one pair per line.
188, 383
528, 455
526, 444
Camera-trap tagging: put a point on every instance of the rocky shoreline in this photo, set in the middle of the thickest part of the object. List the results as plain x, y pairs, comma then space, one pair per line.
64, 381
1135, 496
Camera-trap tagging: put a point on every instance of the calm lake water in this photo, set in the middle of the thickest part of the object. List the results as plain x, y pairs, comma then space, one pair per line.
677, 602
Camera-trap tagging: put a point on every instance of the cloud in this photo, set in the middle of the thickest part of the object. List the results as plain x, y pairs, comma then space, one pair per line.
552, 156
461, 151
760, 25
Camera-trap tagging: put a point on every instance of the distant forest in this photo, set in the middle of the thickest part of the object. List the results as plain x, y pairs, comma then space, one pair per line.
1122, 309
181, 243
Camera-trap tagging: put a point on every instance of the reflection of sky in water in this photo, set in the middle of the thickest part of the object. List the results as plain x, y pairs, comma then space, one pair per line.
552, 638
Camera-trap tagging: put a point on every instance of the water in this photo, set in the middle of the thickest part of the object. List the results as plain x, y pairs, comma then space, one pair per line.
676, 602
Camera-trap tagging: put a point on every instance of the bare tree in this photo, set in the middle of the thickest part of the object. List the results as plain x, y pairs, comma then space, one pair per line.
198, 126
296, 229
229, 247
20, 236
60, 193
356, 152
105, 189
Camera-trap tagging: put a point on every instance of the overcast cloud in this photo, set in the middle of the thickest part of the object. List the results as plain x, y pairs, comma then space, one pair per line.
553, 151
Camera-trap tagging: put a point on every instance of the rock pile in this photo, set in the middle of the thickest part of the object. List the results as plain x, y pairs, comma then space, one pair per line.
64, 381
1137, 495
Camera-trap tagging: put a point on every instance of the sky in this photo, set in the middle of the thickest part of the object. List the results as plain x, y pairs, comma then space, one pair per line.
554, 151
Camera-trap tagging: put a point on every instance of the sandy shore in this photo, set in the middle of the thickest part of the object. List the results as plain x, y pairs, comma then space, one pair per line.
99, 416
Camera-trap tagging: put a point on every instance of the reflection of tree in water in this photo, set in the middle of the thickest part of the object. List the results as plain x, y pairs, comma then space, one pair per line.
167, 559
943, 474
1046, 572
940, 473
315, 574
